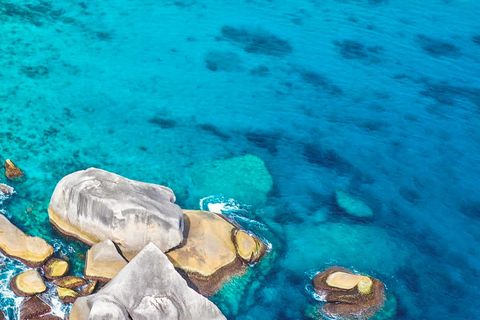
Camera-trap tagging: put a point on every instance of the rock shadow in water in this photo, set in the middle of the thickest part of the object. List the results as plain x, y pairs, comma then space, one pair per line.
34, 13
163, 122
211, 129
319, 81
223, 61
352, 49
447, 94
438, 48
264, 139
256, 41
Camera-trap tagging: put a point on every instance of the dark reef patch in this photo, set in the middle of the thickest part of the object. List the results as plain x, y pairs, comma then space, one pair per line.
352, 49
260, 71
476, 39
162, 122
328, 158
35, 13
35, 72
438, 48
318, 81
265, 140
210, 128
447, 94
257, 41
223, 61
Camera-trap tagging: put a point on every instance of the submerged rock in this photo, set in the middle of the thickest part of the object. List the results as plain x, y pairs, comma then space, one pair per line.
12, 172
148, 288
348, 295
55, 268
93, 205
214, 250
32, 251
27, 283
352, 206
244, 178
33, 307
103, 261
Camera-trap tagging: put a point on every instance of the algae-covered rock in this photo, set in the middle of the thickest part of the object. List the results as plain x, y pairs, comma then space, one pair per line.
103, 261
243, 178
27, 283
149, 287
12, 172
55, 268
352, 205
209, 255
32, 251
94, 205
348, 295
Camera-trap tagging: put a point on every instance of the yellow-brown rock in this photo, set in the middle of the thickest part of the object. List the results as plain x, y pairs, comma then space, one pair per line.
32, 251
12, 171
67, 295
28, 283
70, 282
103, 261
249, 248
55, 268
209, 254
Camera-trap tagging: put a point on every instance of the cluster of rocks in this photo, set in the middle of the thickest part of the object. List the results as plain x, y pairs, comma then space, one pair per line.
119, 218
153, 260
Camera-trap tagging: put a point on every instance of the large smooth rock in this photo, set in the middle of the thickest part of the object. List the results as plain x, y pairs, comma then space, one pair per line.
148, 288
348, 295
27, 283
94, 205
6, 189
103, 261
243, 178
214, 250
32, 251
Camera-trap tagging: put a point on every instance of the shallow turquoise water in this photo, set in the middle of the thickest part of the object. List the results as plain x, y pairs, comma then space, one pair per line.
380, 98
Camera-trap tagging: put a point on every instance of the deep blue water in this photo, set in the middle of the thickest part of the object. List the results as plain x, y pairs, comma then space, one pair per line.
377, 97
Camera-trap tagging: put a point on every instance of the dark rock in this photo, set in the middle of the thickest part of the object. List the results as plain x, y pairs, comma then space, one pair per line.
33, 307
349, 295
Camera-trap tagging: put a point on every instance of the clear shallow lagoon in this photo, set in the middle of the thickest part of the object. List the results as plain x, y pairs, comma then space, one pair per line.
379, 98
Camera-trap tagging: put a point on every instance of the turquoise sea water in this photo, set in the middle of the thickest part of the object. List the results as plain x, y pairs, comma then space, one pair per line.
377, 97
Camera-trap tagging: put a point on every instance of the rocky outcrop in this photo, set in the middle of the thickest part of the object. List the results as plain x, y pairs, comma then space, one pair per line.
27, 283
352, 205
103, 261
214, 250
148, 288
94, 205
55, 268
245, 179
32, 251
348, 295
12, 172
33, 307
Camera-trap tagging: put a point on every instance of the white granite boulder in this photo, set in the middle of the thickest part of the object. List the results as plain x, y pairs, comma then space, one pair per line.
148, 288
93, 205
